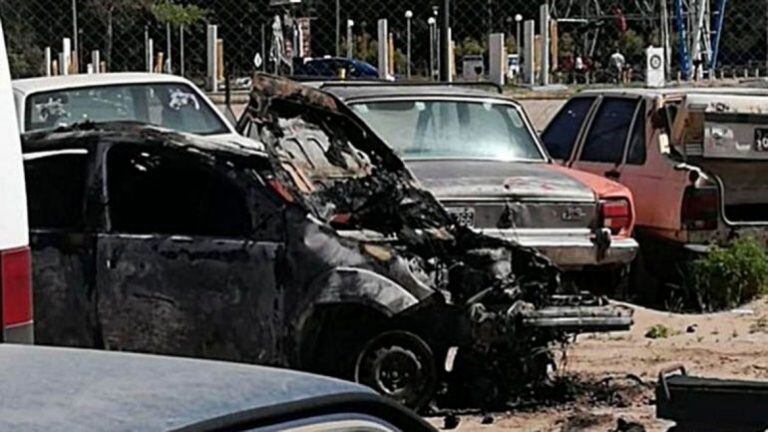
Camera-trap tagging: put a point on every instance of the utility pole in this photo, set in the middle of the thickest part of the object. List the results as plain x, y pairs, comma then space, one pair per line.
445, 45
338, 28
408, 17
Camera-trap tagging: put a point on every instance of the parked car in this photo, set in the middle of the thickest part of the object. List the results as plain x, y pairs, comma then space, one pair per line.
693, 158
317, 252
166, 101
16, 321
477, 152
48, 388
336, 67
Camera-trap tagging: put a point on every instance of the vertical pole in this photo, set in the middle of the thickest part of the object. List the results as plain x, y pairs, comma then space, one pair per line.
383, 46
350, 42
151, 56
96, 61
338, 28
408, 16
431, 49
182, 66
212, 38
445, 43
168, 61
66, 51
518, 42
544, 29
147, 53
74, 26
48, 60
497, 58
528, 52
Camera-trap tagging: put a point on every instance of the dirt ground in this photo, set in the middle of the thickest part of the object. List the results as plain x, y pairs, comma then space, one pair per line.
622, 368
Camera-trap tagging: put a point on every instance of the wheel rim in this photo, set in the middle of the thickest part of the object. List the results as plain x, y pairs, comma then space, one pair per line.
399, 365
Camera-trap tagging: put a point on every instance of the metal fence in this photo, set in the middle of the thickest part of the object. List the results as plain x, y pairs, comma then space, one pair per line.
586, 33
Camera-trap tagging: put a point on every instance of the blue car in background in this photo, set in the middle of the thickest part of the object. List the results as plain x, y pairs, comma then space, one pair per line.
333, 67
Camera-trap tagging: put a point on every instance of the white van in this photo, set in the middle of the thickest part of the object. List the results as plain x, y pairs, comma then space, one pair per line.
15, 269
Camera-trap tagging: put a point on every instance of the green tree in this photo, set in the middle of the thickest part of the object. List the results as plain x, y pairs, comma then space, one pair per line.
167, 12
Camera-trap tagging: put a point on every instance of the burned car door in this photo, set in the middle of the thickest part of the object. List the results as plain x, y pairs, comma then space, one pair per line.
185, 268
62, 246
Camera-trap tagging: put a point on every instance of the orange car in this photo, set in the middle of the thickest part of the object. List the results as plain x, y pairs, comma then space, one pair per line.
694, 160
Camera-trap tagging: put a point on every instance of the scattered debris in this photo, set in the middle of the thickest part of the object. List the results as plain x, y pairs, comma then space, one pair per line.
451, 421
760, 325
624, 425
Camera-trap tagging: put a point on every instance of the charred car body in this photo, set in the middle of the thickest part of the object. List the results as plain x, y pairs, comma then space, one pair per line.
478, 154
317, 251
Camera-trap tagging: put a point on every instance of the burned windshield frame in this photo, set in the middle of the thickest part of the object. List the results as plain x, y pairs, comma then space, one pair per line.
537, 148
212, 122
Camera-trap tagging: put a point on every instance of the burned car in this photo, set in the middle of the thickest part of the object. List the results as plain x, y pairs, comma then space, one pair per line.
478, 153
316, 251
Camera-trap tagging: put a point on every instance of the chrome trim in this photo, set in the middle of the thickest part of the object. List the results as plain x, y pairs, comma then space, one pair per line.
503, 199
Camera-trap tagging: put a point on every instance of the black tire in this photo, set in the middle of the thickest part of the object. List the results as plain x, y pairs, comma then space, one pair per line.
399, 365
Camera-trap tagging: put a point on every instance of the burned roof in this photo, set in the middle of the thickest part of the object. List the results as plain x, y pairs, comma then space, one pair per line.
350, 91
90, 134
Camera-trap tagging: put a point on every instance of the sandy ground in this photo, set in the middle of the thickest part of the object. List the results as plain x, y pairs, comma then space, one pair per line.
730, 344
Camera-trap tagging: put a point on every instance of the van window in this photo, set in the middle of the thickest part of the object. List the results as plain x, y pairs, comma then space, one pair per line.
608, 135
561, 134
164, 192
636, 155
56, 190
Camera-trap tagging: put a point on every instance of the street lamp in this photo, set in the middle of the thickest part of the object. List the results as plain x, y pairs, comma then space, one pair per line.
350, 24
518, 20
432, 23
408, 16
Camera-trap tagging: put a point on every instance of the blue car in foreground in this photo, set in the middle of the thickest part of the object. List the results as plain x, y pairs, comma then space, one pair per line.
46, 389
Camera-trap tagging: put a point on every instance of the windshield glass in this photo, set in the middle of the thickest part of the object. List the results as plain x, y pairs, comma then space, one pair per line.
169, 105
435, 129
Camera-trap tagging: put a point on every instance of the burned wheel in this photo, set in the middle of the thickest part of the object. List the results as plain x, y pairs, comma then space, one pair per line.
400, 365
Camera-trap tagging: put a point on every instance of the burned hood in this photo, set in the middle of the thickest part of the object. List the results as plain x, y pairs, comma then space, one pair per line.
274, 98
521, 180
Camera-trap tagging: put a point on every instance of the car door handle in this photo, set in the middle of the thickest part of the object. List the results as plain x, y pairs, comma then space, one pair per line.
612, 174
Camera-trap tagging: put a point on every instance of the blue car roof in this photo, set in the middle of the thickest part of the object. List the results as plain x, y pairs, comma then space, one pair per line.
71, 389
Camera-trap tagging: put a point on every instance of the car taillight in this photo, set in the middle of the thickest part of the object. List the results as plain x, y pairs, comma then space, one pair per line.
700, 208
616, 216
16, 286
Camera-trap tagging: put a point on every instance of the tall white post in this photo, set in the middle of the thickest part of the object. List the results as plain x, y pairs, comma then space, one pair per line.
497, 58
383, 48
96, 61
544, 22
66, 50
48, 61
212, 82
529, 52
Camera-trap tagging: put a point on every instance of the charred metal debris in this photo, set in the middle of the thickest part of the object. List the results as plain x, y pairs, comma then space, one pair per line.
346, 266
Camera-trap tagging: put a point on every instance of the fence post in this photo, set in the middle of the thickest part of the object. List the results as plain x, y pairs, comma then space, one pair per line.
48, 61
544, 21
150, 55
96, 61
528, 53
383, 47
212, 44
182, 69
497, 57
66, 55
